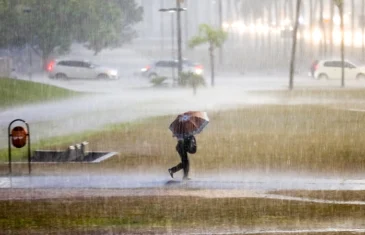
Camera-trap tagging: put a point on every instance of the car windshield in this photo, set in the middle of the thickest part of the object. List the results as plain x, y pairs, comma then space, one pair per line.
356, 62
94, 65
188, 63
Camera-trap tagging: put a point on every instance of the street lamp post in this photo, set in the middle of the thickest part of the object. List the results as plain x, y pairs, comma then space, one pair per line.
28, 11
220, 26
172, 45
179, 54
178, 9
162, 27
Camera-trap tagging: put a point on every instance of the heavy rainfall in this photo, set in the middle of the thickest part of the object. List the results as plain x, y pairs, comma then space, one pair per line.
182, 117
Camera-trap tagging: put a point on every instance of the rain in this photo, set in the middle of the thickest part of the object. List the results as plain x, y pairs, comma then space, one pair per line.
182, 117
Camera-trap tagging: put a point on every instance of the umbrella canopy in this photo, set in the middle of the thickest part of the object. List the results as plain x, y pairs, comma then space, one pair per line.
189, 123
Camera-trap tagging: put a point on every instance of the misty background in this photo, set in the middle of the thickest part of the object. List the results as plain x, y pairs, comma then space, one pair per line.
259, 40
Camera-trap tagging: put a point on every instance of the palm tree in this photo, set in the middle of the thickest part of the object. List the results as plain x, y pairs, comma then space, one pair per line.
292, 61
215, 39
353, 26
362, 28
339, 4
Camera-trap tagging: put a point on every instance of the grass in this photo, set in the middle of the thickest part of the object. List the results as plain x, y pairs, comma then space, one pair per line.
17, 92
338, 94
310, 138
332, 195
313, 138
161, 213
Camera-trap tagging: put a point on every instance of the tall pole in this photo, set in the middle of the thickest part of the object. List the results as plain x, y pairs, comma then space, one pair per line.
332, 5
362, 28
311, 28
173, 45
162, 27
220, 20
179, 53
353, 26
342, 45
292, 61
186, 24
30, 50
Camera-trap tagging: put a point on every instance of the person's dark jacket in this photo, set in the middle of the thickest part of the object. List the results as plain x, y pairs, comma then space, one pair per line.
190, 144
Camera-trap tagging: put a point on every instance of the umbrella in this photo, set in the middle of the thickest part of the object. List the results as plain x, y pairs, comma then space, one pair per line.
189, 123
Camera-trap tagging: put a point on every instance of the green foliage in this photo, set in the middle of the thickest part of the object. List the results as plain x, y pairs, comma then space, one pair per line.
14, 92
131, 14
51, 26
191, 79
214, 37
208, 34
100, 24
158, 81
9, 22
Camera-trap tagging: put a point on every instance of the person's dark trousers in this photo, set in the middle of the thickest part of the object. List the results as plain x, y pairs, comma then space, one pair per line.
180, 148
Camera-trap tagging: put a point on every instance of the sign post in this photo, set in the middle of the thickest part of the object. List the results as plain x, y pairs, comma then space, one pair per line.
18, 137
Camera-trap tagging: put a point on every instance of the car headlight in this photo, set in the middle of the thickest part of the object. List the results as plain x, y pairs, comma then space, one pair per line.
113, 72
198, 71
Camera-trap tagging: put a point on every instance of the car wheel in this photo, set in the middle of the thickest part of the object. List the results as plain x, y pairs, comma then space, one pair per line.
323, 76
102, 76
61, 76
360, 76
152, 76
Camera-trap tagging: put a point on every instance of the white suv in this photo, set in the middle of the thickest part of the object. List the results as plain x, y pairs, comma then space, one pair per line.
64, 69
332, 69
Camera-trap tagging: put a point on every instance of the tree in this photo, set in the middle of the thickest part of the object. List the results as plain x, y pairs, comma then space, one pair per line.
339, 4
8, 22
100, 23
131, 14
215, 39
362, 29
292, 61
51, 26
108, 24
192, 80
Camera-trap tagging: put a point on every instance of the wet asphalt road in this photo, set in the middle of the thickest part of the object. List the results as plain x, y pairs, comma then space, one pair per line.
253, 182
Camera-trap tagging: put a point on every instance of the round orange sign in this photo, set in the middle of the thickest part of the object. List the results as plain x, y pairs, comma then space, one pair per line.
19, 137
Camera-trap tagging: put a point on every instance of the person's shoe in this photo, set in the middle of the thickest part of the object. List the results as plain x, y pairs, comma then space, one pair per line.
186, 178
171, 173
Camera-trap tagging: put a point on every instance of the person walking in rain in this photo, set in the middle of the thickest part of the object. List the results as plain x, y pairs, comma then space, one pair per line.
184, 146
184, 128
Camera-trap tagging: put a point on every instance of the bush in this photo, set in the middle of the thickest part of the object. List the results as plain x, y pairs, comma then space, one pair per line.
191, 80
158, 81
